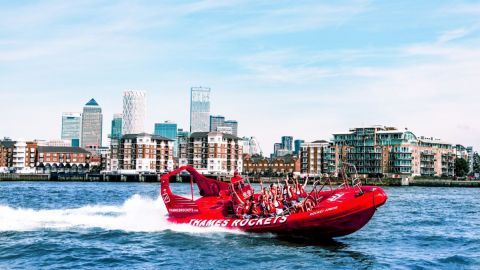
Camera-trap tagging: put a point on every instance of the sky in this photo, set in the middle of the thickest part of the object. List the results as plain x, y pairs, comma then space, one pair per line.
301, 68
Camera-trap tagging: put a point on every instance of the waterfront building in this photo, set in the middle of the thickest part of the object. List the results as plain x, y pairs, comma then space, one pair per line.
216, 121
379, 150
134, 112
199, 109
116, 132
211, 152
257, 165
318, 157
20, 155
460, 151
182, 136
437, 158
287, 143
113, 157
71, 127
144, 153
92, 119
233, 124
3, 157
6, 154
297, 144
470, 154
62, 159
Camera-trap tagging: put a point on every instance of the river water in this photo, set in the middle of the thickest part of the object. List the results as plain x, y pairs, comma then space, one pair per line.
54, 225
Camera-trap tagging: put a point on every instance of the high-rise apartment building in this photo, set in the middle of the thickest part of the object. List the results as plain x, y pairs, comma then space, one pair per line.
234, 125
144, 153
92, 119
297, 144
287, 143
276, 148
116, 132
386, 150
199, 109
211, 152
318, 157
134, 112
216, 121
167, 129
71, 127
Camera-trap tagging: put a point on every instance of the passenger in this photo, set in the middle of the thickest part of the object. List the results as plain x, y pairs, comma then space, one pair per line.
256, 211
278, 204
268, 208
248, 208
308, 204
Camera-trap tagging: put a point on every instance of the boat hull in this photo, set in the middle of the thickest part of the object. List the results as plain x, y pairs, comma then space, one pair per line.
332, 218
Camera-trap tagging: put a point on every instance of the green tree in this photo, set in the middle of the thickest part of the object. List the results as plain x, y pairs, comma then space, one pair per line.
461, 167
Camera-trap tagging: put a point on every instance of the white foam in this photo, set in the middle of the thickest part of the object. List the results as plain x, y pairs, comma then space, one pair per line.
136, 214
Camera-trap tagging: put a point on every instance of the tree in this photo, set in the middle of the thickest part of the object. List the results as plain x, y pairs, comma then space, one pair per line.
476, 163
461, 167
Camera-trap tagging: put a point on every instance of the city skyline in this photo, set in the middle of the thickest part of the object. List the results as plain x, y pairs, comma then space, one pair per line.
337, 66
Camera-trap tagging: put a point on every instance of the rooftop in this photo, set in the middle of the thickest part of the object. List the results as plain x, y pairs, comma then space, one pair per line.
320, 141
144, 134
92, 102
7, 143
62, 149
207, 133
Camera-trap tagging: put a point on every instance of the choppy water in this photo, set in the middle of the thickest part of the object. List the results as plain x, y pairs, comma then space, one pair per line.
122, 226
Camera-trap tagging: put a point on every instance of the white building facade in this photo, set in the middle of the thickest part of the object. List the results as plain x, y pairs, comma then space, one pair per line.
199, 109
134, 112
211, 152
143, 153
71, 126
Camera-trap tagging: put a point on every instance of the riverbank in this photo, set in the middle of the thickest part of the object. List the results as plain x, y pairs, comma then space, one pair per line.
152, 178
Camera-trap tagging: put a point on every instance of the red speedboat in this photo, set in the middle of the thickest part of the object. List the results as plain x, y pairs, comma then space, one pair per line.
316, 213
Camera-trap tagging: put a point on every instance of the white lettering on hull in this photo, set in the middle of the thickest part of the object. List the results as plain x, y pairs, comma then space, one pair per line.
232, 223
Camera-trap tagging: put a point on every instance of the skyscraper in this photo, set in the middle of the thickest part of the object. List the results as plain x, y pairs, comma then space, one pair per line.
116, 132
276, 148
287, 143
216, 121
92, 125
71, 126
297, 143
199, 109
167, 130
134, 111
234, 125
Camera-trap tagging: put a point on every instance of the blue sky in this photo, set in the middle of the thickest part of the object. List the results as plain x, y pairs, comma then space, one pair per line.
300, 68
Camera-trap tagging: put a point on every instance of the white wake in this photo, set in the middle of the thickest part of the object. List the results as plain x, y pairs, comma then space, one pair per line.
136, 214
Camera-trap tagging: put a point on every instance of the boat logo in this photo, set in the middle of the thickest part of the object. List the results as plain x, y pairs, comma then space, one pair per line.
166, 198
335, 197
